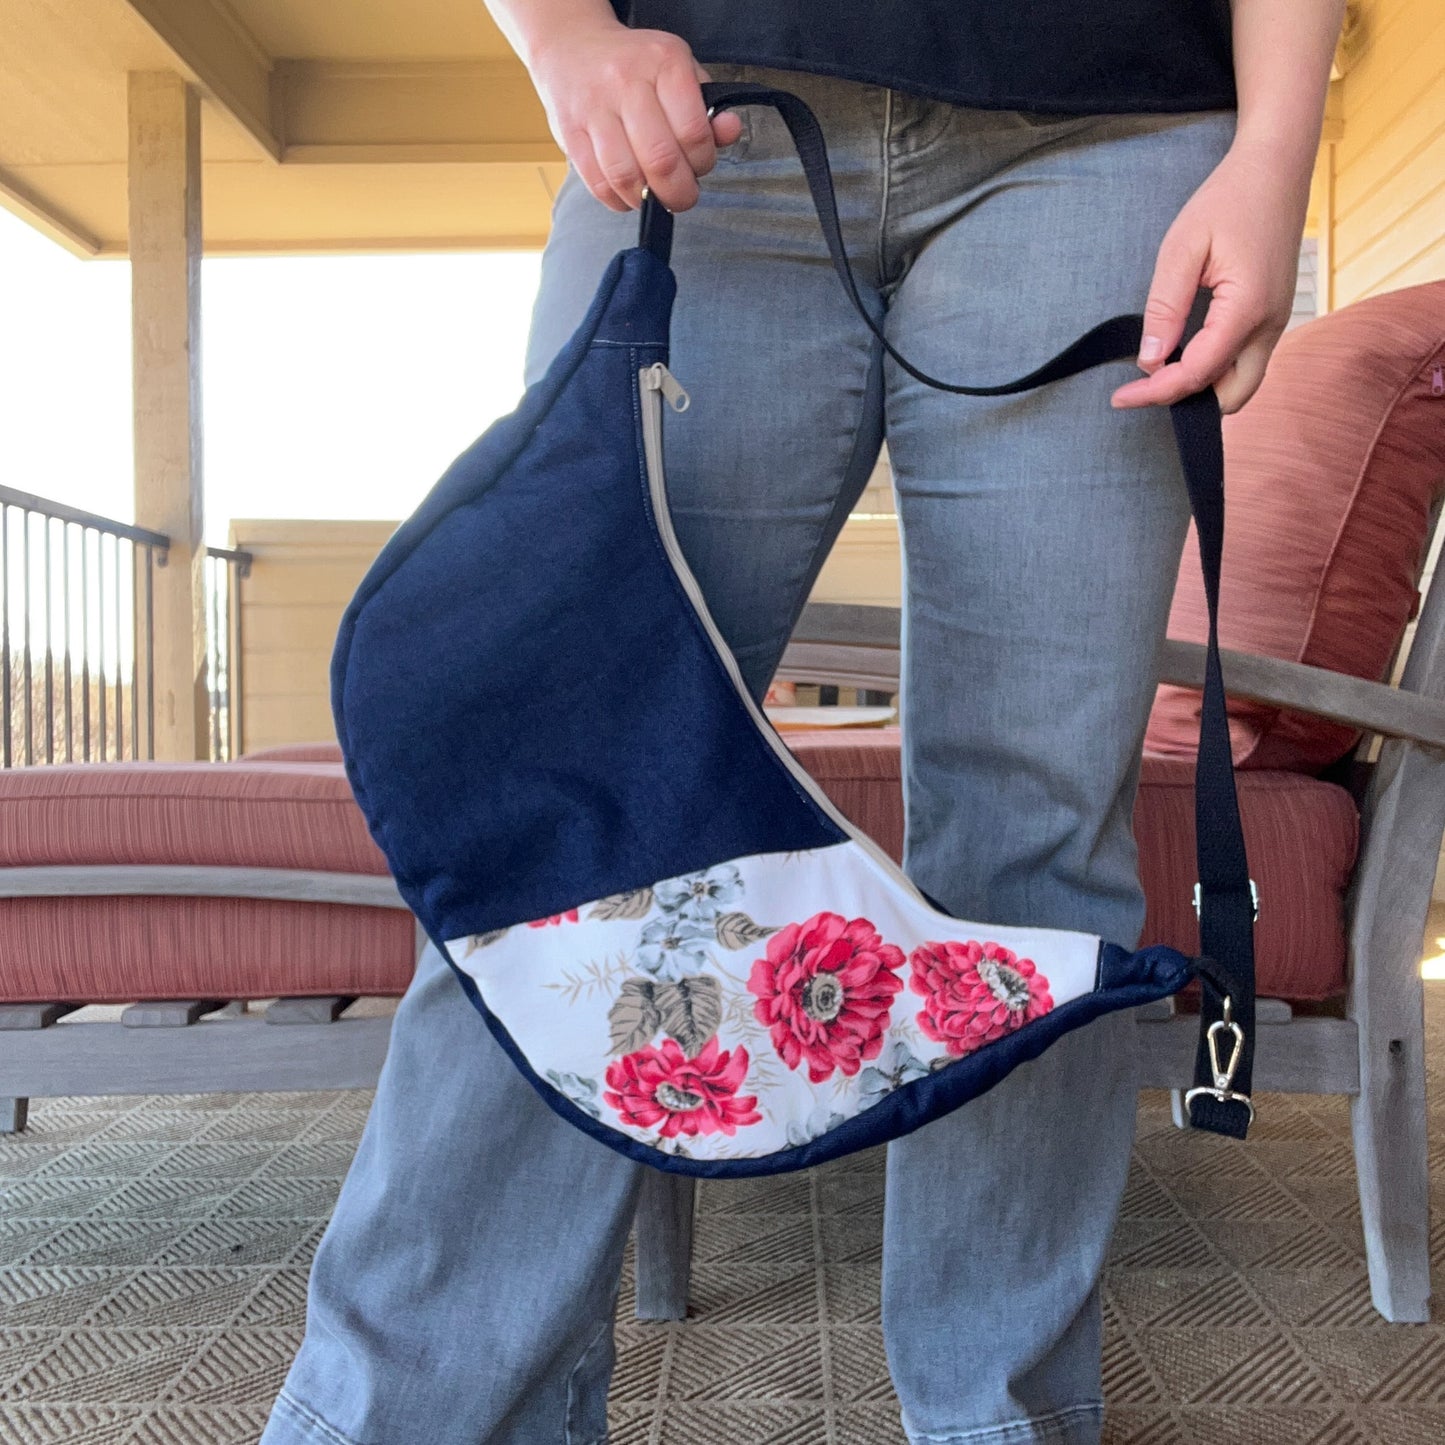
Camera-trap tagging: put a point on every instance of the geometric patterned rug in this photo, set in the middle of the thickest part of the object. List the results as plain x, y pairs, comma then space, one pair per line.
153, 1257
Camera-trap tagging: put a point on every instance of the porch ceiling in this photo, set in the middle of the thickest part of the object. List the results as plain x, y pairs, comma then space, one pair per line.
375, 124
364, 125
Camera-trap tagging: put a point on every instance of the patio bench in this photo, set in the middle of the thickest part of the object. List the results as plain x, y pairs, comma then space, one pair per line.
184, 890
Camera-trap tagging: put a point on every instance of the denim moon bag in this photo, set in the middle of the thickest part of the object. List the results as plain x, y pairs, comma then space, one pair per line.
670, 929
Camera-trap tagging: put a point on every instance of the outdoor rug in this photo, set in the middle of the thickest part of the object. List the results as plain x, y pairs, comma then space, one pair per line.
153, 1257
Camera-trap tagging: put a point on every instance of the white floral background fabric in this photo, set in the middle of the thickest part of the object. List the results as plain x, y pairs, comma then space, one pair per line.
738, 1011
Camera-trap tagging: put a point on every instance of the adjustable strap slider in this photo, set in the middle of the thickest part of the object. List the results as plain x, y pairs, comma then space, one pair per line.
1223, 1088
1253, 897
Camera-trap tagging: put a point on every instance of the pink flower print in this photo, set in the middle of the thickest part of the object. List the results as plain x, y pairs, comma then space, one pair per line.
824, 990
975, 993
570, 916
685, 1096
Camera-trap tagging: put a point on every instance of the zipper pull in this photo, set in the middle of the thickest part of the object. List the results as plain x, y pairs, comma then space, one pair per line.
659, 378
1437, 381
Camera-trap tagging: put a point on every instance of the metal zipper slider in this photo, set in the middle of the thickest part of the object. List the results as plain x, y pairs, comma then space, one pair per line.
1437, 381
659, 378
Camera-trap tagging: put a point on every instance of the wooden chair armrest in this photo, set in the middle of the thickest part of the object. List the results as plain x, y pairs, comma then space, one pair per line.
838, 664
1372, 706
857, 646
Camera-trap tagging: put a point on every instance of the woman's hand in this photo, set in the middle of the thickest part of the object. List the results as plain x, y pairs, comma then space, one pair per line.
1239, 235
626, 108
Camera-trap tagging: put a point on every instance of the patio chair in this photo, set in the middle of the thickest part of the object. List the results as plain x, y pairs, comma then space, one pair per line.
1374, 1053
1336, 471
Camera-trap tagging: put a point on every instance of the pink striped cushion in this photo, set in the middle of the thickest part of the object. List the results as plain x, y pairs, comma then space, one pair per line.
245, 815
1302, 836
295, 753
860, 771
258, 815
1300, 942
1332, 470
118, 950
270, 814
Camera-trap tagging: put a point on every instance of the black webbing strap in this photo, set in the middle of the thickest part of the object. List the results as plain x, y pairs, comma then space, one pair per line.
1225, 896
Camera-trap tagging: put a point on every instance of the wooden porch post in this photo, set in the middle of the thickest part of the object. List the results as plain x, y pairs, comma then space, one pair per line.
164, 179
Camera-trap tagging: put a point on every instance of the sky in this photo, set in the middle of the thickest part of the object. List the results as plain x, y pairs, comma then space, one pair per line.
332, 386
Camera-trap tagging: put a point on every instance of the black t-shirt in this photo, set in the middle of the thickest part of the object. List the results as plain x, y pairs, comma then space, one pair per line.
1043, 55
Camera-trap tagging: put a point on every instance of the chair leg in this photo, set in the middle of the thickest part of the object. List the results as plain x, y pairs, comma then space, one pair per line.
13, 1114
1389, 1124
664, 1244
1401, 819
1177, 1111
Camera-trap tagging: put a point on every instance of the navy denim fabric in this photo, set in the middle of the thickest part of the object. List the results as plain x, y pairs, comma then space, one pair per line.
581, 735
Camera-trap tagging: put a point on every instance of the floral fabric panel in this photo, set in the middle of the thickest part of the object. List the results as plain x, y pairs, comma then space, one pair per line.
748, 1008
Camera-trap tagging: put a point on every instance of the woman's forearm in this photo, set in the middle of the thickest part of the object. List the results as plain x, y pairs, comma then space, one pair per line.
530, 26
625, 105
1282, 52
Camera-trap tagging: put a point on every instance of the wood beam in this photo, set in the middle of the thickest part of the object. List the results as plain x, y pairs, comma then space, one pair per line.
1332, 127
409, 112
46, 219
216, 50
374, 243
164, 184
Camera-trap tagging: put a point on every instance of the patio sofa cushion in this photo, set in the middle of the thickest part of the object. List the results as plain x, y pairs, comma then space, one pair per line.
120, 949
245, 815
269, 811
1300, 940
1331, 471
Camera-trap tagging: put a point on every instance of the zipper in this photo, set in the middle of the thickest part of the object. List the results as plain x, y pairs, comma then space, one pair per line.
657, 382
1437, 381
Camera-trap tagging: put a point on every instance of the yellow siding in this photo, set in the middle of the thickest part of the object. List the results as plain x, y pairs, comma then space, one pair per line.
302, 577
305, 572
1389, 164
864, 565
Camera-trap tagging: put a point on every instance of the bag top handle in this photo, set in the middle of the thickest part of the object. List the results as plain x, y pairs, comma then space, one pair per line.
1225, 897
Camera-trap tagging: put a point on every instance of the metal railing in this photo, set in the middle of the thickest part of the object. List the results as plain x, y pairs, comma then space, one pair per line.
77, 639
225, 571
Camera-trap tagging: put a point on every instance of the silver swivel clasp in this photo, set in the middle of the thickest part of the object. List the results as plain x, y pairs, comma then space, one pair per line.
1223, 1089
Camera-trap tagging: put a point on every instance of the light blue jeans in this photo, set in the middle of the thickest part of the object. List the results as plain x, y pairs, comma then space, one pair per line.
463, 1293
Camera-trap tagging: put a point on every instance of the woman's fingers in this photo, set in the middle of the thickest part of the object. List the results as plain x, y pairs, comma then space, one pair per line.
584, 160
618, 164
626, 108
1242, 380
1207, 357
1229, 352
1181, 259
657, 149
686, 115
727, 127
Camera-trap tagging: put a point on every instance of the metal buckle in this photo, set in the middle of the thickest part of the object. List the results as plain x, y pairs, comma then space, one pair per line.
1223, 1073
1253, 898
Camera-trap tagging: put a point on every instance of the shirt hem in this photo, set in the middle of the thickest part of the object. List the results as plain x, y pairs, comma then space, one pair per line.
1144, 104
